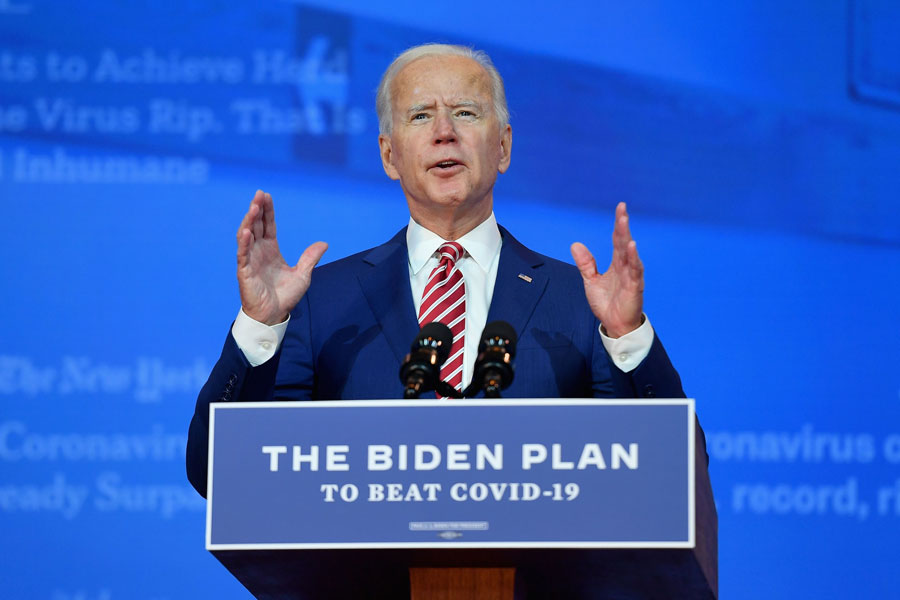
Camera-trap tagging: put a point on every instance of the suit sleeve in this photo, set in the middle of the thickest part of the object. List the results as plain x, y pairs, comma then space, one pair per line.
286, 376
655, 377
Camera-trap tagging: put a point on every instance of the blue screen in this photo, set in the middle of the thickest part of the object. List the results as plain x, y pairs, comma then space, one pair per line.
756, 143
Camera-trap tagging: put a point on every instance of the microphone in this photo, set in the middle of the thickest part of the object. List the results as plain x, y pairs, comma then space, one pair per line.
421, 368
494, 368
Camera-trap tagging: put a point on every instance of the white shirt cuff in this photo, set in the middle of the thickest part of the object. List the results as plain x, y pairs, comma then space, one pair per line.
259, 342
628, 351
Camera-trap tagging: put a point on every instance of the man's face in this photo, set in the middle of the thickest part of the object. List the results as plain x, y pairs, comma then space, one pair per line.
446, 146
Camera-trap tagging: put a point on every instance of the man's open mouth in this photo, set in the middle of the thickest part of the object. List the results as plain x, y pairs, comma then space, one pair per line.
446, 164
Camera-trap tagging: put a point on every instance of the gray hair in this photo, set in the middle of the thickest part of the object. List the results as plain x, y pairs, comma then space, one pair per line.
383, 97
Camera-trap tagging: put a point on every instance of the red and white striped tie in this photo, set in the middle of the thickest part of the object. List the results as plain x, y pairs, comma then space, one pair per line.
444, 300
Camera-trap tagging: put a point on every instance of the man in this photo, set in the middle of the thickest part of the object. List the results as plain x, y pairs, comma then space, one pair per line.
445, 135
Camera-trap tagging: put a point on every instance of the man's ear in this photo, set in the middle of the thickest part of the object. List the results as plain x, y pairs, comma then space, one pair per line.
384, 145
505, 148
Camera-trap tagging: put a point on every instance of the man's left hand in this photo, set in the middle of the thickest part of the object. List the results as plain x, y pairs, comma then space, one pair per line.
617, 296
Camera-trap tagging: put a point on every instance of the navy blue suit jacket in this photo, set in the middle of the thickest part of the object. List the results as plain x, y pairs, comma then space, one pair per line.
349, 334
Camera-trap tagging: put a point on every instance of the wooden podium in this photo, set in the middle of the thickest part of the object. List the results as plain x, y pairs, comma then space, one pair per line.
272, 568
459, 583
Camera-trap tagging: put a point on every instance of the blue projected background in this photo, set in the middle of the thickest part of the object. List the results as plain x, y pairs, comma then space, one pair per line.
757, 143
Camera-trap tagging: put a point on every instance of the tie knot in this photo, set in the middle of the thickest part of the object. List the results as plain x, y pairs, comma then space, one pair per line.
451, 251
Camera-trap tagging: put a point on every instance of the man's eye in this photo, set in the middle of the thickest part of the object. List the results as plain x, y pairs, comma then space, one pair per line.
420, 116
465, 113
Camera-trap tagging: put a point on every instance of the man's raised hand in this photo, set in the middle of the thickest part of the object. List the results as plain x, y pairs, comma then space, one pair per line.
270, 288
617, 296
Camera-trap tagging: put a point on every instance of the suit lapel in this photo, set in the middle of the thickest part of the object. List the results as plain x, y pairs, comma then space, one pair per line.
386, 288
515, 298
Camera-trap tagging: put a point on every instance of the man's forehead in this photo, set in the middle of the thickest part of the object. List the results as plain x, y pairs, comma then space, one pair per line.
455, 78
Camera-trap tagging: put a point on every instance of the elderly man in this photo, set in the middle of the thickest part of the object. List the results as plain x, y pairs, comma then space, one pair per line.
341, 331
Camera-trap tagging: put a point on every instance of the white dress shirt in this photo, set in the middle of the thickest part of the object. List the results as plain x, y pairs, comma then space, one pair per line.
479, 264
479, 269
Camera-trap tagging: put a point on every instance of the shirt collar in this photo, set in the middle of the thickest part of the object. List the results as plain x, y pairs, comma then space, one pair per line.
482, 243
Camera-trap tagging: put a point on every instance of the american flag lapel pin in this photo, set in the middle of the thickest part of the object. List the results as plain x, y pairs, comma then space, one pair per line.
524, 277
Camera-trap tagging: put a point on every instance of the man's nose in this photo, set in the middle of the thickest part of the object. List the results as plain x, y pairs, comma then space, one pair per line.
444, 130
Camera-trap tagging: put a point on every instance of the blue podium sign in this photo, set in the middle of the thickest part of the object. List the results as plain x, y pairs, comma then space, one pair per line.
436, 474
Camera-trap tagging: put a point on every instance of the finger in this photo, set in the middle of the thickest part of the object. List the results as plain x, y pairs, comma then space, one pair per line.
311, 257
621, 235
258, 207
635, 265
245, 233
251, 214
244, 238
621, 228
268, 217
584, 260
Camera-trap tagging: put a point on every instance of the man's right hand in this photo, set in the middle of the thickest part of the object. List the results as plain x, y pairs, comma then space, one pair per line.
270, 288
